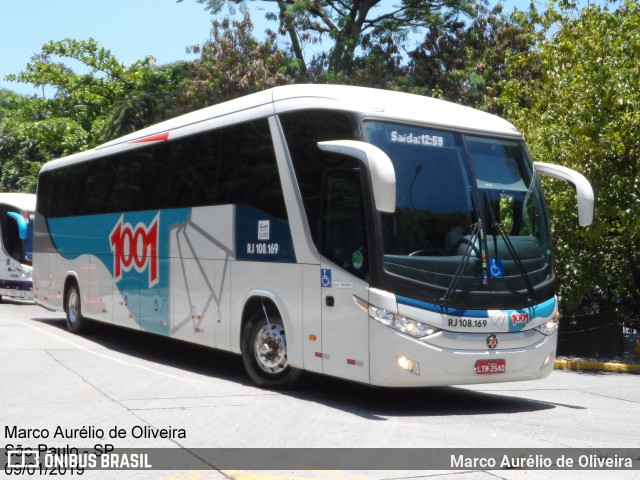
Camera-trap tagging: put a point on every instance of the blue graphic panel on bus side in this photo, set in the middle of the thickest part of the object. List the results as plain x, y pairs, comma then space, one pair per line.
261, 237
134, 247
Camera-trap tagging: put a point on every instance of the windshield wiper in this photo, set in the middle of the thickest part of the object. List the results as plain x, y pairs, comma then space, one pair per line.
512, 251
476, 228
517, 261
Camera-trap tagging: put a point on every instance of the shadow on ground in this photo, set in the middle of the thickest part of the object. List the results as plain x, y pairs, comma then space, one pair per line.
365, 401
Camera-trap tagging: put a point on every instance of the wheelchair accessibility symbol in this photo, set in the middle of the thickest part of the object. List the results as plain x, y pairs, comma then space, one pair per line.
326, 278
496, 268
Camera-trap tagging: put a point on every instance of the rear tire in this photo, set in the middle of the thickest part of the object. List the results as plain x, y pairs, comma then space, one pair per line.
264, 352
76, 323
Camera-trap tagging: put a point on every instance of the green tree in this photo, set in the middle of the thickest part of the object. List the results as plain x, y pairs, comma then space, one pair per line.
104, 100
466, 62
25, 145
9, 101
29, 137
154, 100
232, 63
582, 110
354, 28
87, 96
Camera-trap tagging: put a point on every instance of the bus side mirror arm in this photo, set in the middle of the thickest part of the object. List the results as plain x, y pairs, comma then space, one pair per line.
584, 191
379, 166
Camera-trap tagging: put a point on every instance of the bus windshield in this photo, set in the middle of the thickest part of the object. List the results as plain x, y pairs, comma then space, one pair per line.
469, 213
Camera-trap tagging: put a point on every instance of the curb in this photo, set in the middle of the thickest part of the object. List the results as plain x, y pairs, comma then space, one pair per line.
577, 365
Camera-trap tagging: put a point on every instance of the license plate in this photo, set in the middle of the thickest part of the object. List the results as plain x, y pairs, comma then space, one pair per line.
488, 367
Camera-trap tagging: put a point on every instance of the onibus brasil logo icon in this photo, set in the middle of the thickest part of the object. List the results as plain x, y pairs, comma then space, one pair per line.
135, 247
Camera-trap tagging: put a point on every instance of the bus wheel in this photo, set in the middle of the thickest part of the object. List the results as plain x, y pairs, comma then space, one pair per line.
264, 352
76, 323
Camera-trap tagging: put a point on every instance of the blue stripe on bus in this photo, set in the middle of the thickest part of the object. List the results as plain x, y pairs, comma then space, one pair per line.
541, 310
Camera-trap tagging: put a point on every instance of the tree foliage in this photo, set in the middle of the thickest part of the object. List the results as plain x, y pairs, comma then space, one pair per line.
103, 82
25, 146
232, 63
105, 100
582, 110
466, 61
356, 29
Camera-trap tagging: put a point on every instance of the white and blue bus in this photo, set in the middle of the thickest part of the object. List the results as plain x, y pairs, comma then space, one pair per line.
16, 244
376, 236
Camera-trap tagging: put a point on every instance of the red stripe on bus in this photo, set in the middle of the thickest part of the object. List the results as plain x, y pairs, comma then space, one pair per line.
160, 137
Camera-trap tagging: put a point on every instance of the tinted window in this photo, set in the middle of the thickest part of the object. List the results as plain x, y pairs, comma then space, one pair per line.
303, 130
249, 173
232, 165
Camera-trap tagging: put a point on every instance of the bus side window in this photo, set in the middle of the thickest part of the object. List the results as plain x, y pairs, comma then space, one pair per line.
343, 231
248, 171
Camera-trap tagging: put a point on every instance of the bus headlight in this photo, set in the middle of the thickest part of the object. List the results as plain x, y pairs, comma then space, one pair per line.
548, 327
398, 322
401, 323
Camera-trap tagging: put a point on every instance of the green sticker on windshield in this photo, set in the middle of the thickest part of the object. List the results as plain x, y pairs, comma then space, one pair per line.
357, 259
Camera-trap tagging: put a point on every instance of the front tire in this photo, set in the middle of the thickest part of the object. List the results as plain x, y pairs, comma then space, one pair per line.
76, 323
264, 352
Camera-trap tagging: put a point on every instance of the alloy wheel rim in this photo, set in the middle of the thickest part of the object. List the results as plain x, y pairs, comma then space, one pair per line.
270, 349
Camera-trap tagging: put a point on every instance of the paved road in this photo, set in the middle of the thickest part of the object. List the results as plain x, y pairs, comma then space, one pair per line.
115, 378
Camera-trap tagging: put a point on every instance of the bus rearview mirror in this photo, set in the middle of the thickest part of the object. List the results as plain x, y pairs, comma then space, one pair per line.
584, 191
379, 166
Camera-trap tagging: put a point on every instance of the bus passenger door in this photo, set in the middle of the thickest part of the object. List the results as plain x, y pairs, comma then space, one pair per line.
345, 332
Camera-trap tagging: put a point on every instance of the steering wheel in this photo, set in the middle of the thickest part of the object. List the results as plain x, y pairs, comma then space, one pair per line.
465, 240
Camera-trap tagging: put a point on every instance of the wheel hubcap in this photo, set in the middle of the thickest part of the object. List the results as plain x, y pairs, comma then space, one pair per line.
270, 349
72, 308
